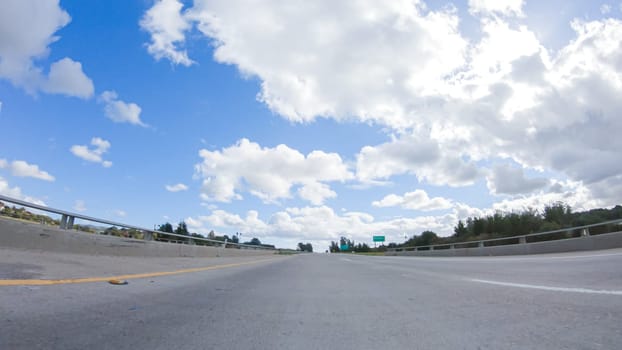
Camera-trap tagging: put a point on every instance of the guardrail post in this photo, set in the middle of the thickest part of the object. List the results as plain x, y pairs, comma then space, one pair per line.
480, 244
522, 240
452, 246
191, 241
224, 245
63, 222
585, 232
70, 223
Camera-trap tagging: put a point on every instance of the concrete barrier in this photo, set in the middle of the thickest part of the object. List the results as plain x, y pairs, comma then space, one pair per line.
25, 235
596, 242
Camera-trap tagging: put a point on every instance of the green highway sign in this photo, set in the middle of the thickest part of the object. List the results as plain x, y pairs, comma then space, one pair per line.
344, 247
378, 238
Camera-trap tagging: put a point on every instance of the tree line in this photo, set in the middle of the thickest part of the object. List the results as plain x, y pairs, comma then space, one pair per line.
499, 225
553, 217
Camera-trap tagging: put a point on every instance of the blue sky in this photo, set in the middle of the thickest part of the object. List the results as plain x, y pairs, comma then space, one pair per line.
304, 122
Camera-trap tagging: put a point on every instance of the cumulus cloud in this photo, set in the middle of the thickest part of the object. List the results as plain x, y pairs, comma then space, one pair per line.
94, 154
66, 77
167, 26
575, 194
449, 101
23, 169
415, 155
319, 225
16, 192
316, 192
268, 173
79, 205
176, 188
27, 35
510, 180
119, 111
498, 7
416, 200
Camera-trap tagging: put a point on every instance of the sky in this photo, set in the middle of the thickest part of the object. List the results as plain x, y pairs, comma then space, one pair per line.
304, 121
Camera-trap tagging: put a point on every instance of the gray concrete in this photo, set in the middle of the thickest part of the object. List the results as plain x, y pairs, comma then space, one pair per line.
24, 235
586, 243
323, 301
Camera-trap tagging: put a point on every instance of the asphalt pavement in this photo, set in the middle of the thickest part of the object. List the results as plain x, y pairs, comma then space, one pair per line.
328, 301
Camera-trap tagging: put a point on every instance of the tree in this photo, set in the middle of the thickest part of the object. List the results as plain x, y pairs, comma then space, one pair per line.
182, 229
167, 227
460, 230
305, 247
558, 213
334, 247
254, 241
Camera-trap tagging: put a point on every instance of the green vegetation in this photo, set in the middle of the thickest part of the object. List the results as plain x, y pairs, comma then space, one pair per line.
554, 217
23, 214
352, 247
305, 247
500, 225
181, 229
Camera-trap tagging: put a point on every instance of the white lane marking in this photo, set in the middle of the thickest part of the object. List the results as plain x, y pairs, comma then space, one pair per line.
584, 256
508, 258
346, 259
553, 289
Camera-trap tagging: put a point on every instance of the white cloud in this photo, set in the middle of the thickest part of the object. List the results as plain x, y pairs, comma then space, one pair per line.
321, 224
79, 205
358, 58
120, 213
501, 7
176, 188
268, 173
3, 163
318, 225
22, 169
510, 180
572, 193
100, 147
417, 155
605, 9
448, 101
16, 192
119, 111
167, 26
416, 200
29, 28
66, 77
316, 192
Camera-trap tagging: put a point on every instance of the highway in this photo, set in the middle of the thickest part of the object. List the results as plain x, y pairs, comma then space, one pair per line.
325, 301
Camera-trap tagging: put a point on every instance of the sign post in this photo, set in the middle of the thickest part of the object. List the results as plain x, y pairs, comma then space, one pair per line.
378, 239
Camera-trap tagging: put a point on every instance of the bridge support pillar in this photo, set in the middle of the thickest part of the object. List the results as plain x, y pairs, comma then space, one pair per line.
522, 240
63, 222
70, 223
148, 236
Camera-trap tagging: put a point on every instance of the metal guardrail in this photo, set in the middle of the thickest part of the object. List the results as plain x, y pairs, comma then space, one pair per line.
68, 219
522, 239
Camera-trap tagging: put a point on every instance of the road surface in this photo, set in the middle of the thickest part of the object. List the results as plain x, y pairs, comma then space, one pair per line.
336, 301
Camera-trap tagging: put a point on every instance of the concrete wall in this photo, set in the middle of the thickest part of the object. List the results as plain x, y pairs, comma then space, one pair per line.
604, 241
23, 235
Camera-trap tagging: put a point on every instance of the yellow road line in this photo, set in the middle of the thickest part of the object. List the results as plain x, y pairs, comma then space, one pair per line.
121, 277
